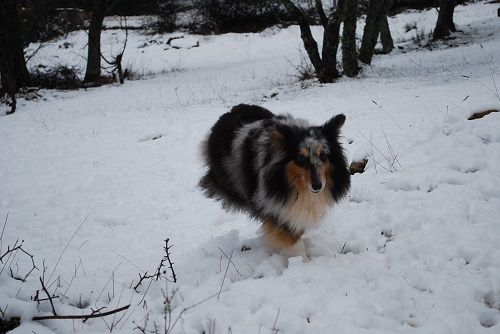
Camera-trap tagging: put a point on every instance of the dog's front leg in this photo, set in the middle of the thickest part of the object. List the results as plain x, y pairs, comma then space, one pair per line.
283, 239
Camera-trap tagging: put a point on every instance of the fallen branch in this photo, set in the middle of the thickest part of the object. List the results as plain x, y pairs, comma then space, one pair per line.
83, 316
481, 114
172, 38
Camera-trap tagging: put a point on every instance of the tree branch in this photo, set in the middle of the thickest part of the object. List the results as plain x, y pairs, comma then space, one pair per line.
83, 316
296, 12
170, 263
321, 12
48, 296
157, 274
309, 43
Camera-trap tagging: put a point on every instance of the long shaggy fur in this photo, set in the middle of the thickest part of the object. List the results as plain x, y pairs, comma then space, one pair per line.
278, 169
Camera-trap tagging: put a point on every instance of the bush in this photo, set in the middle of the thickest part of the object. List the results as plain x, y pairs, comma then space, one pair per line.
239, 15
409, 26
167, 15
61, 77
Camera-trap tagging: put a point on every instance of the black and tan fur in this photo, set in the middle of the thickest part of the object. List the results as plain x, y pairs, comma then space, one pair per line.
278, 169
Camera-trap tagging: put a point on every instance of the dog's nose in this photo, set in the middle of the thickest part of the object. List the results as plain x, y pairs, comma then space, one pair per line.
316, 186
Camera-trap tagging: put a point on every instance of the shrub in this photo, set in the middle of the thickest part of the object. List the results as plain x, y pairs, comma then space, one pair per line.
167, 15
61, 77
238, 15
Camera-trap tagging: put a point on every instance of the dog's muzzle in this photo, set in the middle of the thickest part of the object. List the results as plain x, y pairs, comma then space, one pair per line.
317, 183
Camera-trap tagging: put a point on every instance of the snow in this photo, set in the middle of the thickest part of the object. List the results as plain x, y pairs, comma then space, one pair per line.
94, 180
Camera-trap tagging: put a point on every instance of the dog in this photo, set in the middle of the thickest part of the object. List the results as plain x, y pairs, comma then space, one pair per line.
278, 169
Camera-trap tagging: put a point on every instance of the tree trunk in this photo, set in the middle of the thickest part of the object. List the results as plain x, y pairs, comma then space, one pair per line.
312, 51
309, 43
349, 54
370, 32
444, 25
326, 64
385, 32
331, 44
376, 23
93, 71
11, 43
13, 71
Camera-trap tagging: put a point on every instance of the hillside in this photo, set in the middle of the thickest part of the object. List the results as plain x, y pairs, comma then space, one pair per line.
95, 180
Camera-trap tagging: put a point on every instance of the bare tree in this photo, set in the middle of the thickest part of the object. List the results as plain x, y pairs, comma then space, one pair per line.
115, 63
376, 24
444, 25
325, 64
100, 8
13, 71
349, 53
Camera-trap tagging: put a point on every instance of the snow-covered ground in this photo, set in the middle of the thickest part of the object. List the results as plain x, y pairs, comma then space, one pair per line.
94, 180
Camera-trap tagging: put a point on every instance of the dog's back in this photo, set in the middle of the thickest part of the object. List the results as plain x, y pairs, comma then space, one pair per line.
218, 150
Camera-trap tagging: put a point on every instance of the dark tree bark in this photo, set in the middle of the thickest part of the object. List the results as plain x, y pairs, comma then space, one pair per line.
376, 23
349, 53
326, 64
370, 32
444, 25
385, 32
100, 8
331, 40
13, 71
93, 71
305, 33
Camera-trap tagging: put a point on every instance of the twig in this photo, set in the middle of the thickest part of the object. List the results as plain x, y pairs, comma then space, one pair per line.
109, 280
74, 276
13, 249
387, 113
3, 229
143, 329
227, 257
64, 249
145, 292
275, 330
172, 38
94, 312
83, 316
488, 61
28, 58
342, 250
225, 273
142, 278
116, 63
391, 161
170, 263
10, 251
187, 309
394, 156
159, 271
49, 296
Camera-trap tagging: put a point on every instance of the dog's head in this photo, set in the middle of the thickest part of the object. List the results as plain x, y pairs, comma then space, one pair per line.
315, 159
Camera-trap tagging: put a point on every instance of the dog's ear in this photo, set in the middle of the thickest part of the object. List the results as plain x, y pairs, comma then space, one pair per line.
331, 128
279, 136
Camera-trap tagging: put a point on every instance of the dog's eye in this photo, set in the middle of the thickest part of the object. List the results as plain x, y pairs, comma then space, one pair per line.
323, 157
301, 160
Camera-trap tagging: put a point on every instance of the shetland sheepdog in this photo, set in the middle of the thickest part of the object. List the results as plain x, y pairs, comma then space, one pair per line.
280, 170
